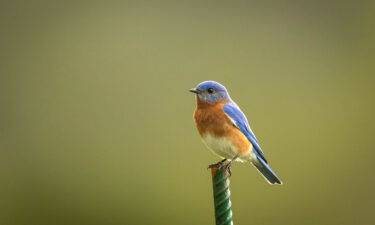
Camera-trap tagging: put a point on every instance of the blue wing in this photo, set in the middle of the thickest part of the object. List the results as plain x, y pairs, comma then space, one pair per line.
240, 121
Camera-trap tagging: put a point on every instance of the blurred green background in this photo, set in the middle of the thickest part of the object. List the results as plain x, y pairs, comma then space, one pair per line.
96, 121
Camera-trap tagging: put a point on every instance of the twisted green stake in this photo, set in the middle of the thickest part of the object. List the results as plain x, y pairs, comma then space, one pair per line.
220, 183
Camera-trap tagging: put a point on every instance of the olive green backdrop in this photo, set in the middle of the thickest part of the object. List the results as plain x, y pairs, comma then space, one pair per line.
96, 122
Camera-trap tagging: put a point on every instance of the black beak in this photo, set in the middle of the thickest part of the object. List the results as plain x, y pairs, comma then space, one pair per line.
194, 90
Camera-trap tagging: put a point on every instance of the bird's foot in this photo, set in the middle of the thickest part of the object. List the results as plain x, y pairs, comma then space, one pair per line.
217, 165
228, 165
227, 168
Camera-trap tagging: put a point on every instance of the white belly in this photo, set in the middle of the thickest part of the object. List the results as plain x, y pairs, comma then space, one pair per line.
223, 148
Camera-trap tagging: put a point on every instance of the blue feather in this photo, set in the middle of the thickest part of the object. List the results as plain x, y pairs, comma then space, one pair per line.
266, 170
240, 120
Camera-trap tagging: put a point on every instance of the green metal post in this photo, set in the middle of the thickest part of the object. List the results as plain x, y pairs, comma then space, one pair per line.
222, 203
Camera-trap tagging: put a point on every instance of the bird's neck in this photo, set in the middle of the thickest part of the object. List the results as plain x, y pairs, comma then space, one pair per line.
201, 104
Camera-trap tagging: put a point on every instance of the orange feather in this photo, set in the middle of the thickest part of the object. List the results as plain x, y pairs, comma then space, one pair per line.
211, 119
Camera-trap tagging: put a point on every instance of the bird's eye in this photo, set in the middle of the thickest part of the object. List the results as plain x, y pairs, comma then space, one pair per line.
210, 90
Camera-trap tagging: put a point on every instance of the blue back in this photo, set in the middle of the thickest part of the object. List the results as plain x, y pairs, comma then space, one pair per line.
236, 115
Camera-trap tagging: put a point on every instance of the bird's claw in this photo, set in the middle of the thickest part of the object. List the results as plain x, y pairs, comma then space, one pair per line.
221, 164
227, 168
217, 165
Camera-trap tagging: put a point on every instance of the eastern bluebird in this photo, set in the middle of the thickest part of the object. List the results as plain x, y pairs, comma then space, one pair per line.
225, 129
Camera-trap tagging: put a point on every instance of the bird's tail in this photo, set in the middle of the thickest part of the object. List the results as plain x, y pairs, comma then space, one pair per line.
265, 170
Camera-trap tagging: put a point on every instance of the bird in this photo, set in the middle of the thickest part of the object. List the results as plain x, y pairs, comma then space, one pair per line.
225, 129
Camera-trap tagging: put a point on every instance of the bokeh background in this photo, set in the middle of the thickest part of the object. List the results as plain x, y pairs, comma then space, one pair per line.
96, 122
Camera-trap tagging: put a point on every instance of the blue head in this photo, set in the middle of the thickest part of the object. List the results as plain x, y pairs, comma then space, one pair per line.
210, 91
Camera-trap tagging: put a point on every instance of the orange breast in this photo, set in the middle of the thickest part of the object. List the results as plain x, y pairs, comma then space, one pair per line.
210, 118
